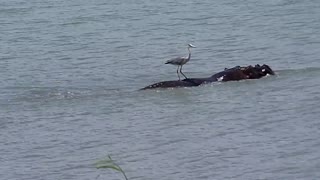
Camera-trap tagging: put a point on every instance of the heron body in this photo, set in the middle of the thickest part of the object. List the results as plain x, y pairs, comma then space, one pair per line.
180, 61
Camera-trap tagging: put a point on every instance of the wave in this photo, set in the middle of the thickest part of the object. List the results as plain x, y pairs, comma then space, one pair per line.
17, 94
301, 71
43, 94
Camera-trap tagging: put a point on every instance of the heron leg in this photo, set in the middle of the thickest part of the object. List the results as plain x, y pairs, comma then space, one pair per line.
182, 73
178, 72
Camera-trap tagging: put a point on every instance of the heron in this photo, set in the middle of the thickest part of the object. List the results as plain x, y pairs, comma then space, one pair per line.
180, 61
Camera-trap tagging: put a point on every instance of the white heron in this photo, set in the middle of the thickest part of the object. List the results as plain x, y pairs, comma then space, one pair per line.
180, 61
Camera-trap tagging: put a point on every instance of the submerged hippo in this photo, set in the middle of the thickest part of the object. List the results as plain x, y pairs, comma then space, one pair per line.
233, 74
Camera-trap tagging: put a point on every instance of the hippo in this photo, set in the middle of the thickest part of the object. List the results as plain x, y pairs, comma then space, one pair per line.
229, 74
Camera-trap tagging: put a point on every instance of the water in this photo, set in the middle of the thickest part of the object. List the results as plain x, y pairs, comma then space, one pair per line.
70, 70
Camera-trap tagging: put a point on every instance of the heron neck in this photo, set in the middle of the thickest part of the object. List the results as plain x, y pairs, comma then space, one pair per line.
189, 53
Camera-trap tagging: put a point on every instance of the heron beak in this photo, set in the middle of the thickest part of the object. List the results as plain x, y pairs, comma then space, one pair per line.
191, 45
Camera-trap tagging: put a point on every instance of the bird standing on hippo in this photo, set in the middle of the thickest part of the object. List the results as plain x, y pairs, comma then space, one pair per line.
180, 61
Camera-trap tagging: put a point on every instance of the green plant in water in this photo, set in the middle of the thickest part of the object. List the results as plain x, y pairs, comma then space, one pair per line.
109, 164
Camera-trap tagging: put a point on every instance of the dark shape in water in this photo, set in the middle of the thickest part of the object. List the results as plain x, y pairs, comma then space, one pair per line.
233, 74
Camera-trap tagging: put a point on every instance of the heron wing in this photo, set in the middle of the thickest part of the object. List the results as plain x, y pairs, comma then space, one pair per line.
176, 61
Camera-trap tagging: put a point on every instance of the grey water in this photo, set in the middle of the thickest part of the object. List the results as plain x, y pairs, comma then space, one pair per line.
70, 73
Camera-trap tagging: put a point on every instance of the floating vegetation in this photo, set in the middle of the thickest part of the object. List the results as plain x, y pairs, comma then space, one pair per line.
108, 163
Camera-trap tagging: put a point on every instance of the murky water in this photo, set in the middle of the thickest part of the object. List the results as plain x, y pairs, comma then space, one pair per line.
70, 71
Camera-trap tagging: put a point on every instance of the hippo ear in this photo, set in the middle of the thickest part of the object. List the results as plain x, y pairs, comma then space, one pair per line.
267, 69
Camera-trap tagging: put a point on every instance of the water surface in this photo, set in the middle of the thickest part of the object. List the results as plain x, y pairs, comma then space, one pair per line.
70, 73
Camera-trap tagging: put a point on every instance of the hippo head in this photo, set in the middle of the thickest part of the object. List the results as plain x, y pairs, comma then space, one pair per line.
257, 71
265, 69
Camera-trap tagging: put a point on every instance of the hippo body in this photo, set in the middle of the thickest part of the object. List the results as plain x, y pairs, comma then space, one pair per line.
233, 74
